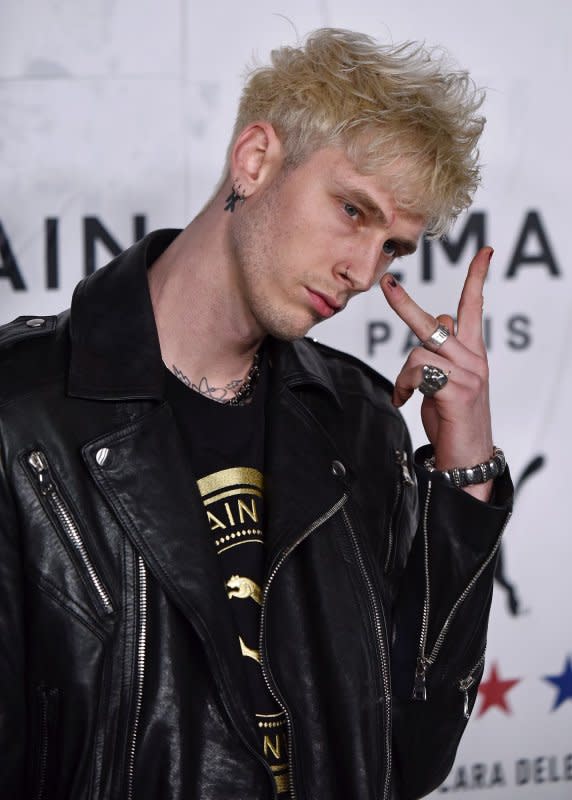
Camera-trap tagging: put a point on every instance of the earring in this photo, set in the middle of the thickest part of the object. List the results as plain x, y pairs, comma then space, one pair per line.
236, 195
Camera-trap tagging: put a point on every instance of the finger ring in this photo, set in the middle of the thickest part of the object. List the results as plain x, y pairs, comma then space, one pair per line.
433, 380
437, 338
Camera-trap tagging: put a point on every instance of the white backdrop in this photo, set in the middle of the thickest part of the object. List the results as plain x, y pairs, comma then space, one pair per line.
115, 119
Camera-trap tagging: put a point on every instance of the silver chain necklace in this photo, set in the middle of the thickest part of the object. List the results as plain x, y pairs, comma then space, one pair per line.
246, 388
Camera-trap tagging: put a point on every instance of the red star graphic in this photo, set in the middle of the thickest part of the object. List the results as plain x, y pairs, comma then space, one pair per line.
494, 690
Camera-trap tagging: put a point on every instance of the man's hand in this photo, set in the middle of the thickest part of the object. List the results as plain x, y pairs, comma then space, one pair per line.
457, 418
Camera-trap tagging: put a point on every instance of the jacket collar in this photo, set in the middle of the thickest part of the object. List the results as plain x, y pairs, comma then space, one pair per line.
115, 351
299, 364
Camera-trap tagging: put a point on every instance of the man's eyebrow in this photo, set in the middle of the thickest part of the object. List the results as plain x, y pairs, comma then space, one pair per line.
369, 204
408, 247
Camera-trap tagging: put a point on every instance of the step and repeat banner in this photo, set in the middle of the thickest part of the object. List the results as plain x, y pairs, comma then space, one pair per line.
114, 121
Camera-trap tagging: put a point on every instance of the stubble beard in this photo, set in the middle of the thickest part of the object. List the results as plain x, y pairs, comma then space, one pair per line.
257, 256
271, 314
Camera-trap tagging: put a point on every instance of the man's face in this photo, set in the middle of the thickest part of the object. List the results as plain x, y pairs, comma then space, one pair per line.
315, 237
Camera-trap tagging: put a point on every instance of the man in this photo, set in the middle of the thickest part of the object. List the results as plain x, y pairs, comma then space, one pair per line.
222, 575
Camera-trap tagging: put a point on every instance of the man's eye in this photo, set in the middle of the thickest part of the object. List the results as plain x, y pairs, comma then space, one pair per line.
389, 248
350, 210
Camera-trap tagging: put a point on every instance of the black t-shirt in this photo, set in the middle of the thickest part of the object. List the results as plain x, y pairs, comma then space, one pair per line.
226, 448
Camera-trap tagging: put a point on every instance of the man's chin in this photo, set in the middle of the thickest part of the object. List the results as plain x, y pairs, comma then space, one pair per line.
288, 330
287, 335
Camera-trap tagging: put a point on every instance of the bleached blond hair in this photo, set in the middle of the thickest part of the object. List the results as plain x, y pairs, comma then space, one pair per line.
400, 108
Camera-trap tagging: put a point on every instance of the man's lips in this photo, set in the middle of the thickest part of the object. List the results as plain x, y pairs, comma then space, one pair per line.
325, 305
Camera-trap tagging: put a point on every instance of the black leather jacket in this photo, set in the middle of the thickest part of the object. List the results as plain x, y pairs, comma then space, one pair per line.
116, 673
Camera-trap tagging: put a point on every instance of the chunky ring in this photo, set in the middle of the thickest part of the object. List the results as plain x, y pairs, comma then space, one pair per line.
433, 380
437, 338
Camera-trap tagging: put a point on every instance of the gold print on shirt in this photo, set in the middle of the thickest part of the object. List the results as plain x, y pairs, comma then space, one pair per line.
233, 502
275, 748
235, 476
242, 588
273, 744
241, 509
248, 651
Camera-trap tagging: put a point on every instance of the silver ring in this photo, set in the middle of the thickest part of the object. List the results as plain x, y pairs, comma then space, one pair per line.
433, 380
437, 338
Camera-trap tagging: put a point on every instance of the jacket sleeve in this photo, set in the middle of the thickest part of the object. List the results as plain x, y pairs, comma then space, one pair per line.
12, 658
440, 626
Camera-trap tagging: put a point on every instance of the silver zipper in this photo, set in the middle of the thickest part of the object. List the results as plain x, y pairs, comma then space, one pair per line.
43, 757
269, 685
140, 672
379, 621
39, 464
466, 683
419, 687
404, 480
424, 661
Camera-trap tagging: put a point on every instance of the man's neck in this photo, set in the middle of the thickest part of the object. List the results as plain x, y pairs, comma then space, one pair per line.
205, 331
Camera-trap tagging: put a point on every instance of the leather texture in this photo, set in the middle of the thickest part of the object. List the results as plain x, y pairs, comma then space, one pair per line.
118, 678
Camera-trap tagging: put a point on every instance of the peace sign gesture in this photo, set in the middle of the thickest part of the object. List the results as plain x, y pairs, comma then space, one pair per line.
456, 417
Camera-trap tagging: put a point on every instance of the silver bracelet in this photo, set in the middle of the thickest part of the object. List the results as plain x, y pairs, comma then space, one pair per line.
467, 476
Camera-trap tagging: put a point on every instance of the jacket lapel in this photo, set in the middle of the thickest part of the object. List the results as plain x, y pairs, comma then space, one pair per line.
115, 351
147, 479
302, 483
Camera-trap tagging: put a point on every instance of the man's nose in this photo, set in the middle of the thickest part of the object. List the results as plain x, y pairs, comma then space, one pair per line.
366, 267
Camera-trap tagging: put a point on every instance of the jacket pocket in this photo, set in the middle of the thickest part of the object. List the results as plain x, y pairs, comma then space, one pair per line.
403, 481
427, 656
44, 733
59, 511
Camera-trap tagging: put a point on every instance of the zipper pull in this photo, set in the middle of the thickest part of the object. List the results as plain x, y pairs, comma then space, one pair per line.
466, 704
464, 687
419, 685
38, 462
401, 458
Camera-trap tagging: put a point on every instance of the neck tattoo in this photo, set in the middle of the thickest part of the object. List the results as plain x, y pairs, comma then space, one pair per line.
235, 393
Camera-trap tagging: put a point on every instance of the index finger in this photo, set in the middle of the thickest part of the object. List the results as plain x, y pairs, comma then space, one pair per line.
421, 323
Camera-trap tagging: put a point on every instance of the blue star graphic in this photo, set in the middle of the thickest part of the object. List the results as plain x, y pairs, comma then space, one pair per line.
563, 683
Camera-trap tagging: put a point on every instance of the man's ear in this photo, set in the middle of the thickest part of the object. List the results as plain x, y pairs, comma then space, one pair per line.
256, 157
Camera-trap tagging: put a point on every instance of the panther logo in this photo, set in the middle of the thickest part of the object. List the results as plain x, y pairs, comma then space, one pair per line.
240, 587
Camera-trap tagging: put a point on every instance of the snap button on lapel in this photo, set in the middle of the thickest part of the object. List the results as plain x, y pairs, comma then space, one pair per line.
37, 322
101, 456
338, 469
